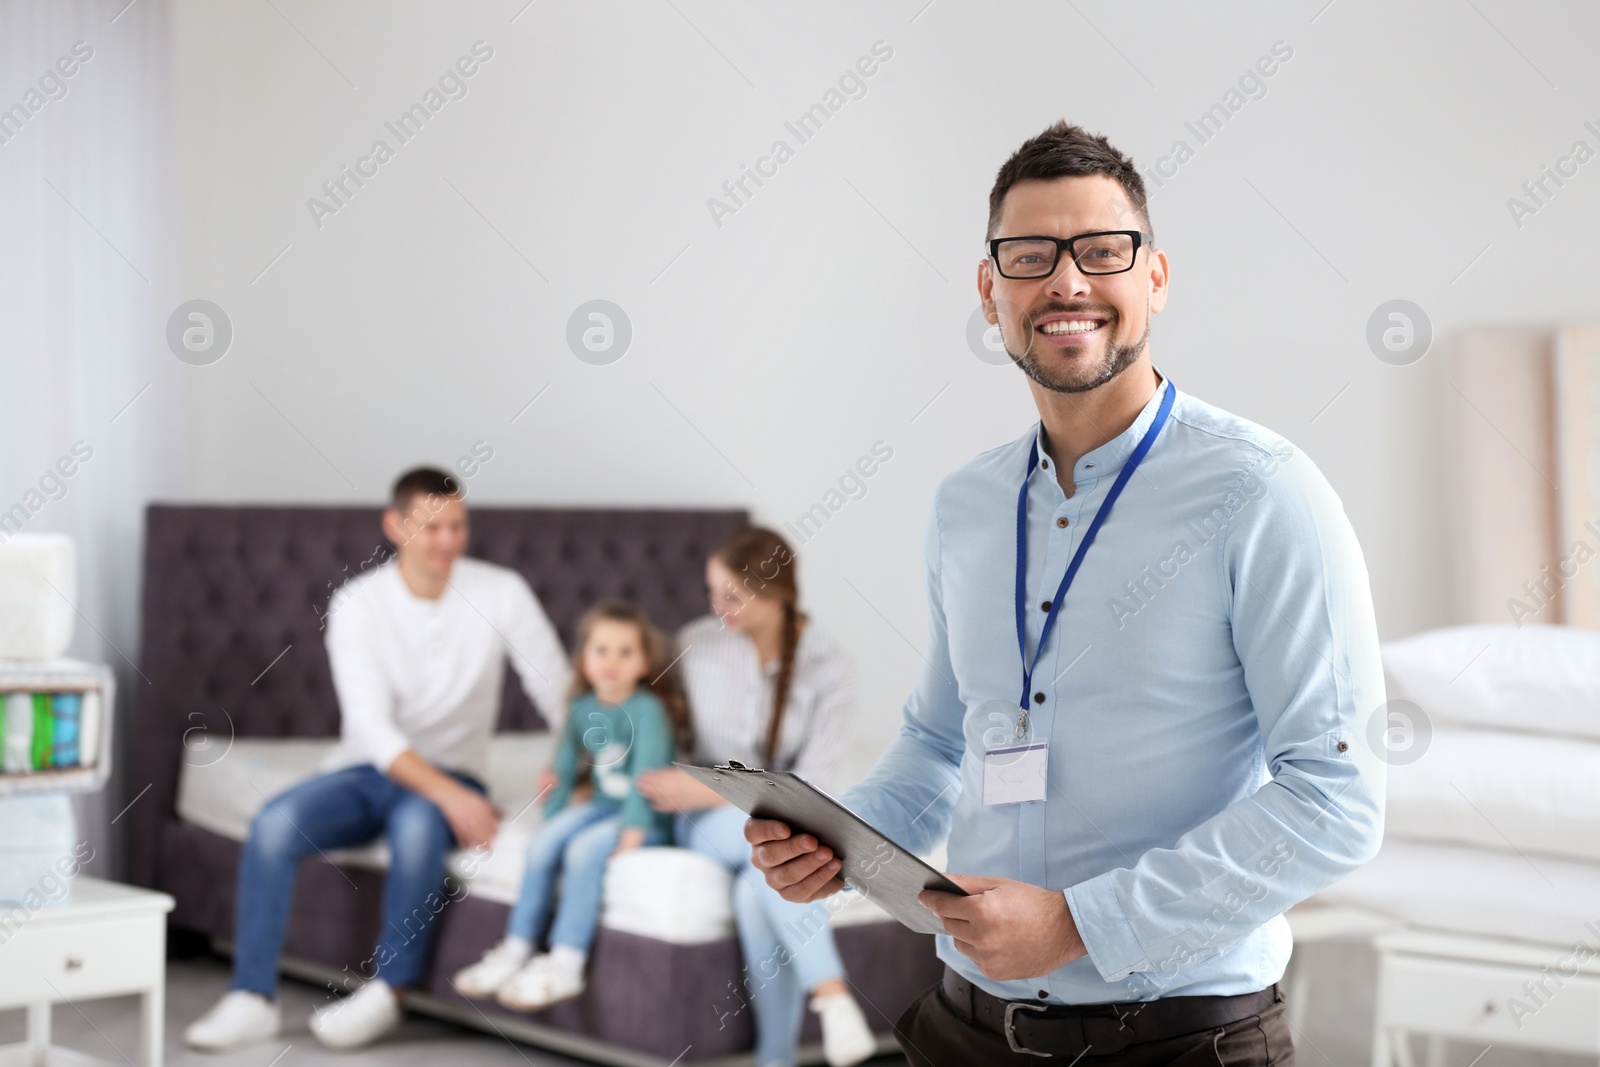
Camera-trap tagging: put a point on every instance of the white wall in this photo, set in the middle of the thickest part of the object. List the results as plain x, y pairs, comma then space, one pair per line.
830, 310
85, 262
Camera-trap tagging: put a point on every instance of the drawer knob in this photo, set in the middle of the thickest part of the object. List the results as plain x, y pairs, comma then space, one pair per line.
74, 962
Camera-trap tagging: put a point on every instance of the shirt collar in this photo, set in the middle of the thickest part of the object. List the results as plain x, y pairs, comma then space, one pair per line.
421, 603
1115, 452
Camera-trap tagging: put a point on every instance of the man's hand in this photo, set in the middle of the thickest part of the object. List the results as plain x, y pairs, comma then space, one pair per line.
669, 789
801, 869
547, 782
471, 817
1009, 929
631, 837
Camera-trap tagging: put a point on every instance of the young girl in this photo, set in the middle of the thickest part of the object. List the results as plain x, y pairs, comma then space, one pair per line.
626, 715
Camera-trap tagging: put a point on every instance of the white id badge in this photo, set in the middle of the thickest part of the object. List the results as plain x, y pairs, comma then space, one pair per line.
1015, 774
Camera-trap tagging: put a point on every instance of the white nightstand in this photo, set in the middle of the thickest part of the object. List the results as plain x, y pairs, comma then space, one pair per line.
1482, 989
107, 940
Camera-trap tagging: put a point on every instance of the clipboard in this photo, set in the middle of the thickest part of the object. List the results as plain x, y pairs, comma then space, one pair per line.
870, 863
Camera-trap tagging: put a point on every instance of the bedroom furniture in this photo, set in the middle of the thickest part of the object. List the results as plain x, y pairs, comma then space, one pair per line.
1313, 921
55, 715
1490, 866
108, 940
672, 896
1483, 991
79, 765
1490, 863
233, 650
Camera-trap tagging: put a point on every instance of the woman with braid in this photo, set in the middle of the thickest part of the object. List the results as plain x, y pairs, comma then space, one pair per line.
769, 689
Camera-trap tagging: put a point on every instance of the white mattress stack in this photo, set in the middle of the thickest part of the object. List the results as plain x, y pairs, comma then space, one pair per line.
1493, 815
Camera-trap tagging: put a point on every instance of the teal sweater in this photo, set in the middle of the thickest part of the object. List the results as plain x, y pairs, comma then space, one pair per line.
622, 741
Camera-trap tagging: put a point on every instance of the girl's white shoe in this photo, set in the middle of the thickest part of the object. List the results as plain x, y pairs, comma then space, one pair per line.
542, 982
495, 969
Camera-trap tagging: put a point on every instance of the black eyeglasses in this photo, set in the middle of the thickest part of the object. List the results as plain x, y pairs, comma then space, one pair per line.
1101, 252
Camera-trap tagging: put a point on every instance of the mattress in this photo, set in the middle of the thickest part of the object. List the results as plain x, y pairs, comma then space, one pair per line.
38, 592
671, 894
1502, 791
1468, 890
1529, 678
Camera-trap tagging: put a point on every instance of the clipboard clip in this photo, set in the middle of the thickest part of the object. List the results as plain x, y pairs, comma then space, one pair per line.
735, 765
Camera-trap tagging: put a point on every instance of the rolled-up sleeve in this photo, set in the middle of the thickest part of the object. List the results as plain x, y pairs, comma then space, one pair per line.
1303, 629
911, 792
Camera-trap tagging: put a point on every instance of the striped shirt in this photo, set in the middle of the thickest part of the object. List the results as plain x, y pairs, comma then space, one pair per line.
731, 697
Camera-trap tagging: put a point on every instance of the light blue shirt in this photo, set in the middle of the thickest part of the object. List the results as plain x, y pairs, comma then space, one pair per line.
1207, 689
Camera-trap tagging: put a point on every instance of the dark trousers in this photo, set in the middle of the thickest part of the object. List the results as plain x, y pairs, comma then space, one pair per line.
933, 1034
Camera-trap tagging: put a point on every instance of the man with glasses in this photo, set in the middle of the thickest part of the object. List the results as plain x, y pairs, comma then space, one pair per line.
1140, 726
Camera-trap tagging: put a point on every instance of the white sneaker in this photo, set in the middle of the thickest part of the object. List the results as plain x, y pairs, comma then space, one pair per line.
359, 1019
499, 964
846, 1037
541, 983
239, 1018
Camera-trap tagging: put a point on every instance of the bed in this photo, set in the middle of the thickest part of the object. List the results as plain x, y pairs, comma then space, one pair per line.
669, 894
239, 701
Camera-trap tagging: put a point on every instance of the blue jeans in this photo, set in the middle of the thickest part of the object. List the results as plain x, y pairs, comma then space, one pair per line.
772, 932
343, 809
575, 843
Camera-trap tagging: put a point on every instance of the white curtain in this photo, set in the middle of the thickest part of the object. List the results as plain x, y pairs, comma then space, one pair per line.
87, 279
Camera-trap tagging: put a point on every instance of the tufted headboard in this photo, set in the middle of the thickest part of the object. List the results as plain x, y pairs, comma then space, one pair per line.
232, 641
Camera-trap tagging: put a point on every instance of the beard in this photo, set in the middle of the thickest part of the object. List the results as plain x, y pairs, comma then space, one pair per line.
1116, 359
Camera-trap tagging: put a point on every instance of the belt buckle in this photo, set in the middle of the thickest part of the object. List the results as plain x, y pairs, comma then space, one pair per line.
1012, 1007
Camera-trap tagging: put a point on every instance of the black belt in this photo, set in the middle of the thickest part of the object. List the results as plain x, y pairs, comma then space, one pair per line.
1072, 1030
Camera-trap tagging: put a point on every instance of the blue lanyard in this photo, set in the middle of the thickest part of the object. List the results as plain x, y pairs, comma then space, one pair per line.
1128, 468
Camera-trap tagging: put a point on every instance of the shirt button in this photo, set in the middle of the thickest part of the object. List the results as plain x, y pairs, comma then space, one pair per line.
1043, 993
1344, 746
1038, 698
1045, 606
1045, 463
1061, 522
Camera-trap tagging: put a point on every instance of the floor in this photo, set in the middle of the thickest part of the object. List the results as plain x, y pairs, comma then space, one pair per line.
1336, 1034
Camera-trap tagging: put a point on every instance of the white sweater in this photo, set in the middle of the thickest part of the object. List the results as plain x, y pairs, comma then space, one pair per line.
426, 675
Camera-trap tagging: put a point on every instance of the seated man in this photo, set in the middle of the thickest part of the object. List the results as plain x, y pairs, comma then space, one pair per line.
418, 649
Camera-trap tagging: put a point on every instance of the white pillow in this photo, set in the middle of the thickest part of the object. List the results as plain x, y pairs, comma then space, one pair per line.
1536, 678
1510, 793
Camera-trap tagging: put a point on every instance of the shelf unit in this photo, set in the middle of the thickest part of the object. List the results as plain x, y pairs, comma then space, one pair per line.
62, 676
